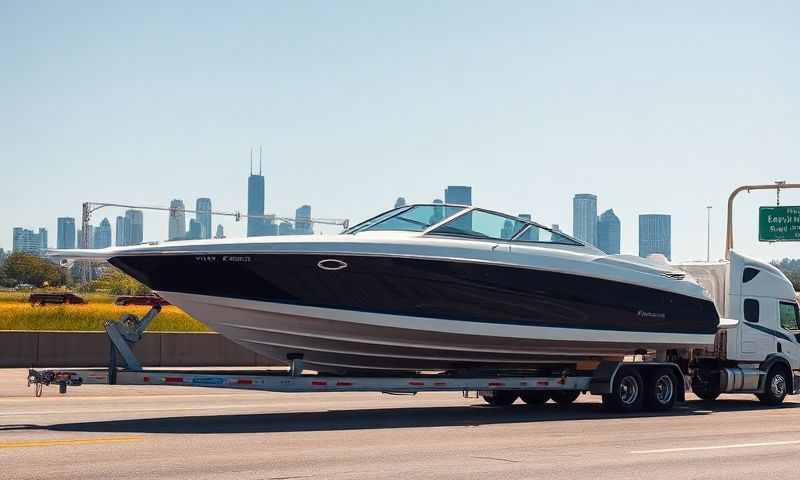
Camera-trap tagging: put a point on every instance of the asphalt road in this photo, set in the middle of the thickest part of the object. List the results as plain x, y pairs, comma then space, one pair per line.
193, 433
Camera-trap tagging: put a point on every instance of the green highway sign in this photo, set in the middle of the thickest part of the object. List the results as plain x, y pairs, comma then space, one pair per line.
779, 224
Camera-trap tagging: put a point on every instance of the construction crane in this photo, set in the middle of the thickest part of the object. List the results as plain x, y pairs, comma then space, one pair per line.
90, 207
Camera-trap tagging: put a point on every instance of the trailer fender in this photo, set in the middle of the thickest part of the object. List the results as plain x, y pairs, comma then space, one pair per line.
603, 376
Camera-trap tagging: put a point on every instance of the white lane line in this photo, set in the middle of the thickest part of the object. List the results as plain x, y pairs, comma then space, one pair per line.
720, 447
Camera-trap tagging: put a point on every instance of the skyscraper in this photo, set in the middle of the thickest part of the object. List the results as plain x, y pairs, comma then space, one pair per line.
204, 216
65, 233
220, 232
285, 228
43, 238
458, 194
302, 221
134, 227
120, 234
608, 232
102, 234
195, 230
25, 240
400, 202
655, 235
177, 220
584, 217
256, 195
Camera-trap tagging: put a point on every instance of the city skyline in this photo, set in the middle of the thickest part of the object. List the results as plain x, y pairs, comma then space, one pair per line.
546, 101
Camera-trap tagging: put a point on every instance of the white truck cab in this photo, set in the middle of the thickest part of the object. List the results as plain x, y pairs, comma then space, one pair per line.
758, 345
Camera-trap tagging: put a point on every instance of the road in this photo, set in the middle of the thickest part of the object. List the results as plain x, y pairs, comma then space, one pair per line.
193, 433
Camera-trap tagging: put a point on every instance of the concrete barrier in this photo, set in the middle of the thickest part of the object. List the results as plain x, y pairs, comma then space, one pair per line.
91, 349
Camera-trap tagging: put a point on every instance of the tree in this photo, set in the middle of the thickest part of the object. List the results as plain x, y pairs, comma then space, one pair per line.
26, 268
791, 268
116, 282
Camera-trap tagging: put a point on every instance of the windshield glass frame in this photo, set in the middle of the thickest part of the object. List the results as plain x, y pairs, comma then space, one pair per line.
371, 224
465, 210
375, 220
569, 240
528, 224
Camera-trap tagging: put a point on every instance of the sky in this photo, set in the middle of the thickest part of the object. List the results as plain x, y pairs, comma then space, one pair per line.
655, 107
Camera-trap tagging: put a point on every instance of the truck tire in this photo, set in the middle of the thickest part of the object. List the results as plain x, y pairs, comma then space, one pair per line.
776, 386
627, 392
501, 398
661, 389
565, 398
535, 397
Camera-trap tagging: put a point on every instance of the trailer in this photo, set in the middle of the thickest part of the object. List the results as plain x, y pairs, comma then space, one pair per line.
756, 351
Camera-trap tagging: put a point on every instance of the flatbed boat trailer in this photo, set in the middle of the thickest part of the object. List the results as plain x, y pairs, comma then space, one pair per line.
615, 380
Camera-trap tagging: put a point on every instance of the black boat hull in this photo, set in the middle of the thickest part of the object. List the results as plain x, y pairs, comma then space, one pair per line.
384, 312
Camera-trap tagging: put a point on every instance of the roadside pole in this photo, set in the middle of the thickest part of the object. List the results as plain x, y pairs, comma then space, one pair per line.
779, 185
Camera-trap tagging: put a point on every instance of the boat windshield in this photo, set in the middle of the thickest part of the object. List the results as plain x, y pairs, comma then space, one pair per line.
489, 225
481, 224
537, 234
407, 219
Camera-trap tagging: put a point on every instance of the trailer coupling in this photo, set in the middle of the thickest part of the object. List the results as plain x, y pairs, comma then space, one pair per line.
40, 379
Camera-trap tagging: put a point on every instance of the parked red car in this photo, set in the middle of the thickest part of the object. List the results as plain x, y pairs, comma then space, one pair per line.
55, 298
151, 300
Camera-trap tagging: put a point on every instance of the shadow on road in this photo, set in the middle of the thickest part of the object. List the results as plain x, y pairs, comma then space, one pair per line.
382, 418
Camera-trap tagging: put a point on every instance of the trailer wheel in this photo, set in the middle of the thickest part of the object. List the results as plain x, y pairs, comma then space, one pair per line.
535, 397
776, 386
661, 389
565, 398
501, 398
627, 391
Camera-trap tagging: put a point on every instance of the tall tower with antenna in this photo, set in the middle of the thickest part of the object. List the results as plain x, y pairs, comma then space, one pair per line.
256, 194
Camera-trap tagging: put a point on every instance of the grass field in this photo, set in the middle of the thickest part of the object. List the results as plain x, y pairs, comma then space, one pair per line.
17, 314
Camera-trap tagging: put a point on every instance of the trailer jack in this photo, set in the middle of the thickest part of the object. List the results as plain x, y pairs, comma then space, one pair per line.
123, 335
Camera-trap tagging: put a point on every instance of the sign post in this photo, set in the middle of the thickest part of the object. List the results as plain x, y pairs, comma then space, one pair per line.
748, 188
779, 224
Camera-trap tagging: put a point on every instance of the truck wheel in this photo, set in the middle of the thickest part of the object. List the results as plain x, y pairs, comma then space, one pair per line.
661, 389
777, 386
626, 393
565, 397
535, 397
500, 398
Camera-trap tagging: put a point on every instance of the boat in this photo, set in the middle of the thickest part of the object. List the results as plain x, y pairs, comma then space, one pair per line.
427, 287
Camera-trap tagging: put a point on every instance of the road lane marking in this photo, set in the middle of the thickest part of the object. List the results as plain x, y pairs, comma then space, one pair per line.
719, 447
70, 442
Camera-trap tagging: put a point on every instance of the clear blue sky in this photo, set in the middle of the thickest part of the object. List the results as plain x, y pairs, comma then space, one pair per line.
657, 108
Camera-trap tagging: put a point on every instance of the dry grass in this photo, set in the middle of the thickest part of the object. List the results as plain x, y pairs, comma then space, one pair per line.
17, 314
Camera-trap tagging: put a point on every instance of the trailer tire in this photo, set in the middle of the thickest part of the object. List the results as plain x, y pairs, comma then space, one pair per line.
776, 387
501, 398
535, 397
627, 393
661, 389
565, 398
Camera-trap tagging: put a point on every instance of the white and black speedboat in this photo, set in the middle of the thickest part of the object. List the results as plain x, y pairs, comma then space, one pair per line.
426, 287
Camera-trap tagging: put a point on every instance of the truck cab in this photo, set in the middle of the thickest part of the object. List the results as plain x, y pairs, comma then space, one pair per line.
758, 345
